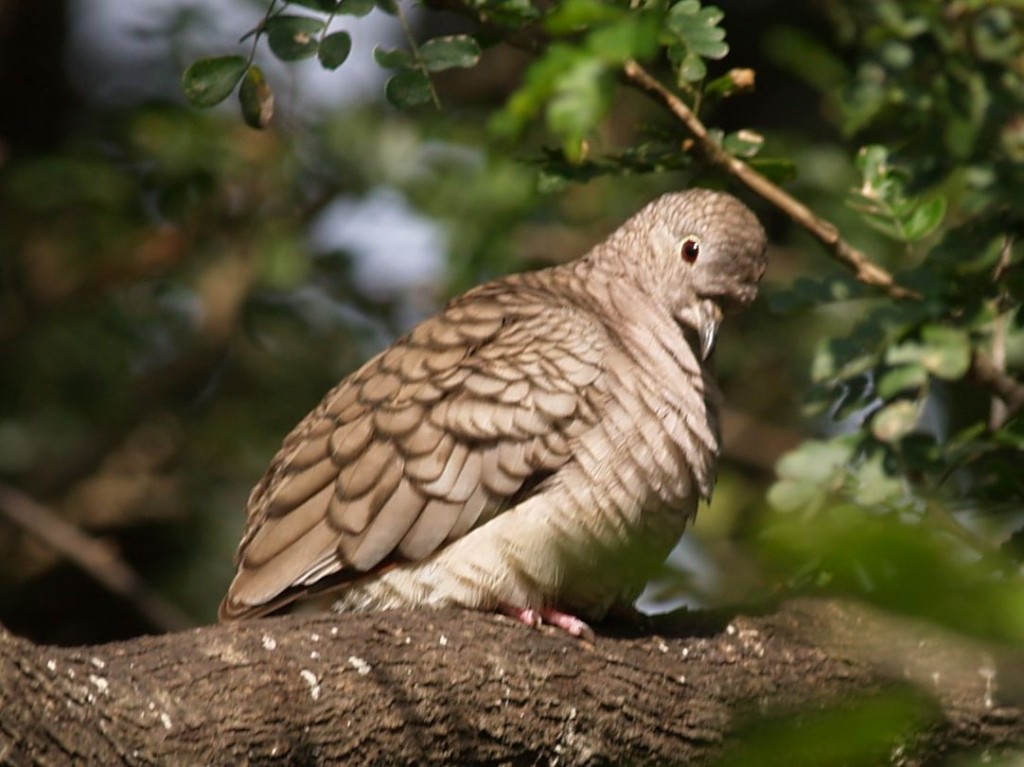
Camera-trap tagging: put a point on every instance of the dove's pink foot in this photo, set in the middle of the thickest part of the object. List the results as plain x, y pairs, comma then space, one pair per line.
570, 624
526, 615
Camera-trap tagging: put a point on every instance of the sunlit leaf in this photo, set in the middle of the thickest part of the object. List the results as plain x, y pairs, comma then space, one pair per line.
815, 461
635, 37
862, 731
692, 69
574, 15
697, 28
905, 563
743, 143
792, 495
256, 99
895, 420
452, 52
925, 219
582, 97
947, 351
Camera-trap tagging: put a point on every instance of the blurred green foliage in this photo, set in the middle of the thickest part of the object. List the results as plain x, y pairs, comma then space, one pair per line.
165, 319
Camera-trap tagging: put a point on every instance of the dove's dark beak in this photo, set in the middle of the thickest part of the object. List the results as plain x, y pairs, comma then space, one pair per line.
710, 320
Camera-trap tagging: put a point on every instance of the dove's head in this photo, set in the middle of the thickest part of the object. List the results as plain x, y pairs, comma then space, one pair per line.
700, 252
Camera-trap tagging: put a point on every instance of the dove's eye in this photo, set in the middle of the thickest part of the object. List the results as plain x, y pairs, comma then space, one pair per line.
690, 249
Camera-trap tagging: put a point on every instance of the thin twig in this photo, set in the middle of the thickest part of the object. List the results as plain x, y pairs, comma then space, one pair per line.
824, 231
417, 56
97, 559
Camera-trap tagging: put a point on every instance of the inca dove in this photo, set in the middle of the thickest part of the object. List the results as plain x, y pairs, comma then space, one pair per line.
538, 446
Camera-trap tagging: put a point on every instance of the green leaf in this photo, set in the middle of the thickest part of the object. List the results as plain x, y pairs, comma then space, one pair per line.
900, 379
790, 495
734, 81
692, 69
582, 97
574, 15
326, 6
697, 29
538, 86
944, 352
408, 88
875, 484
947, 352
743, 143
389, 7
293, 37
334, 49
895, 421
356, 7
393, 58
816, 461
635, 37
256, 99
841, 358
925, 219
778, 169
452, 52
207, 82
860, 731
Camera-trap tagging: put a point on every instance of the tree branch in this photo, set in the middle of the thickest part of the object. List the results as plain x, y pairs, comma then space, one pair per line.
824, 231
1004, 386
430, 687
93, 556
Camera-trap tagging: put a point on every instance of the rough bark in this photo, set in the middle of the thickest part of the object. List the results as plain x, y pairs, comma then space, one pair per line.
460, 687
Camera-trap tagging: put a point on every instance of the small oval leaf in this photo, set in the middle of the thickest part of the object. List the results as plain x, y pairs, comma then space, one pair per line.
895, 421
356, 7
452, 52
334, 49
925, 219
392, 58
900, 379
408, 88
947, 352
256, 99
326, 6
293, 37
207, 82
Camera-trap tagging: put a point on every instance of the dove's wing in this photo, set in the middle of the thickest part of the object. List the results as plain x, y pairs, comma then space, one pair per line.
457, 421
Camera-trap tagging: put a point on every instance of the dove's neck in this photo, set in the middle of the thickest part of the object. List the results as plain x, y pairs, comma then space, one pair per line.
666, 362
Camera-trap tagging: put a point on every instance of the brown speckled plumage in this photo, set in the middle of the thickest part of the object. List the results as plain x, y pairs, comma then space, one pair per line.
541, 442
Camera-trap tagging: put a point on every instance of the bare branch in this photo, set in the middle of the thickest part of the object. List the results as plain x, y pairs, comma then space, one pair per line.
1004, 386
96, 558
